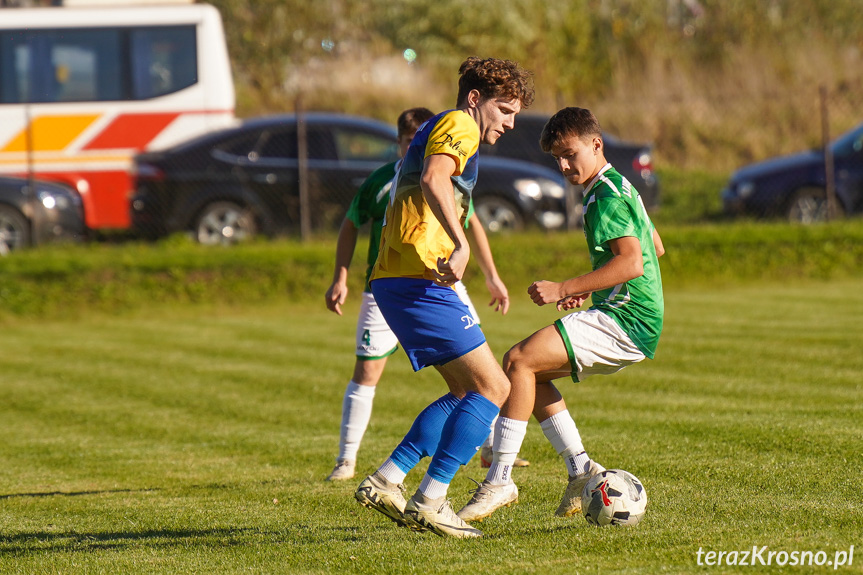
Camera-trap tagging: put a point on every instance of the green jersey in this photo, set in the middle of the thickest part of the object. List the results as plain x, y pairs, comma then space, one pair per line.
370, 204
613, 209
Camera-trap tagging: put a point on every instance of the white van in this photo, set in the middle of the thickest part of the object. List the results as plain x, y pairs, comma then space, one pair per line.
82, 89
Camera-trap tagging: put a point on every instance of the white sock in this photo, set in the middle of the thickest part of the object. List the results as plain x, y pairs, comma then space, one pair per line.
356, 413
508, 437
561, 431
391, 472
489, 441
432, 488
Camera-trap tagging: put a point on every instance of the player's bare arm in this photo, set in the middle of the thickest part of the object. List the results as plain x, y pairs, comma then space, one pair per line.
657, 244
338, 291
482, 249
627, 264
438, 192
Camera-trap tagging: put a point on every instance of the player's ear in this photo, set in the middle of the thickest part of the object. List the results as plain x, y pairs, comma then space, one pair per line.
473, 98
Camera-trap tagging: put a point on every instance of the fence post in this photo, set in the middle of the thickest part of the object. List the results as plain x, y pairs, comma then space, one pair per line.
32, 194
303, 170
829, 173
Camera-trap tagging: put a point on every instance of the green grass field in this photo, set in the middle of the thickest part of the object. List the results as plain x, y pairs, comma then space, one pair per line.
195, 439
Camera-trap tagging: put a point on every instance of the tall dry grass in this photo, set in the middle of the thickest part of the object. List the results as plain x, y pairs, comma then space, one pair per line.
750, 107
713, 106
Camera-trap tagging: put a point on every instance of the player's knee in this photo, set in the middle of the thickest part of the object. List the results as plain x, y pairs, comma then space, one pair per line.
503, 389
514, 360
496, 391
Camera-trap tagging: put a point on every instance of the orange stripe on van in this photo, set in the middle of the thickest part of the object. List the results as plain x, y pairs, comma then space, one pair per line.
133, 131
51, 133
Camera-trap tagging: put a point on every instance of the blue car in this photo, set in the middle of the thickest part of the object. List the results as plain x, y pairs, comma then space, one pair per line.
795, 186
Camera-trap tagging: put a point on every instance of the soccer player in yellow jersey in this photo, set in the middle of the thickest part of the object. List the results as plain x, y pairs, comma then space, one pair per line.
423, 253
375, 341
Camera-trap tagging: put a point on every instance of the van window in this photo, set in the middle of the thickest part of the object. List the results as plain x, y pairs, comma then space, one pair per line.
164, 60
15, 60
96, 64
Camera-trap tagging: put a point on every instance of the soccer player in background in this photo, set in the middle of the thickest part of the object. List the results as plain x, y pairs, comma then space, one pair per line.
375, 341
621, 327
423, 253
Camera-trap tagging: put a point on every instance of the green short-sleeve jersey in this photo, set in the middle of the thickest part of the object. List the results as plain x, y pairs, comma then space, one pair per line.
613, 209
370, 204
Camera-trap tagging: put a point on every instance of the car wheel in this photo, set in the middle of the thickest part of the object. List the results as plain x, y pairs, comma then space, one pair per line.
225, 223
809, 205
498, 215
14, 230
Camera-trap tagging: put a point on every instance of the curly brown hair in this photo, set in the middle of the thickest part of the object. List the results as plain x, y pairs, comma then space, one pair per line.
567, 123
495, 78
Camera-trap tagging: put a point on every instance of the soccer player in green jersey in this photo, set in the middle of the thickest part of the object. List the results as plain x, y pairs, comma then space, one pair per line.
621, 327
375, 341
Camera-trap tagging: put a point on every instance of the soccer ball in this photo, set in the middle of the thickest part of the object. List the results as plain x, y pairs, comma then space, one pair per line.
613, 497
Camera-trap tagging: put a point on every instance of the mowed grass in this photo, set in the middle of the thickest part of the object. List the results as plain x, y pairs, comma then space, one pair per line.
196, 440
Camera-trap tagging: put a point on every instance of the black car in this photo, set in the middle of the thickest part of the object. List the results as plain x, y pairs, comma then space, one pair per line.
513, 194
633, 161
795, 186
238, 182
34, 212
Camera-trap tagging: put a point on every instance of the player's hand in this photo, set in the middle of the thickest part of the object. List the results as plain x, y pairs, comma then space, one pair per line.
336, 296
572, 301
452, 270
499, 295
543, 292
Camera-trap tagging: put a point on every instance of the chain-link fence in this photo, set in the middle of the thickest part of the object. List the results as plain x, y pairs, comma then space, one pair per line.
299, 179
277, 176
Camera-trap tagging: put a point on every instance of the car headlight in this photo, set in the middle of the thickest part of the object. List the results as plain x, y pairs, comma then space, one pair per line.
52, 200
745, 189
537, 188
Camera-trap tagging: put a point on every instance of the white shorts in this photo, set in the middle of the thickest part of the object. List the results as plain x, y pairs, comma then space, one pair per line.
375, 339
596, 344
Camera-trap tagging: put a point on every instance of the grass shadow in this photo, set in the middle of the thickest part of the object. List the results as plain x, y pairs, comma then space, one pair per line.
42, 541
75, 493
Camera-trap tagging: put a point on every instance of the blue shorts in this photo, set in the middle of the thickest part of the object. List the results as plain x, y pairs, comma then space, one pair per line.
430, 321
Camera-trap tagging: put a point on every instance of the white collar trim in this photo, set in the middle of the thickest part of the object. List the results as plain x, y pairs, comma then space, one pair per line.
595, 179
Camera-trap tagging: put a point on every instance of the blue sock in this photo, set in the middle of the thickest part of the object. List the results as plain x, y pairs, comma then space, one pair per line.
423, 438
463, 433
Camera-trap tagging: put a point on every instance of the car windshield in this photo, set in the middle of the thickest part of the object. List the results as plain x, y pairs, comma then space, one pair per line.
849, 143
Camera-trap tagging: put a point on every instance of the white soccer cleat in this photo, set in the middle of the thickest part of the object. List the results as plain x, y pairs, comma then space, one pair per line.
377, 493
570, 504
437, 516
486, 454
487, 499
344, 469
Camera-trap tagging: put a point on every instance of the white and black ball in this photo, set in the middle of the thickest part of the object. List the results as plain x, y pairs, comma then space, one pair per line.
613, 497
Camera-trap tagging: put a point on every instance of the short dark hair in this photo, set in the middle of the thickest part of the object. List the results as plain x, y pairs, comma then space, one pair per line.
494, 78
410, 120
566, 123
